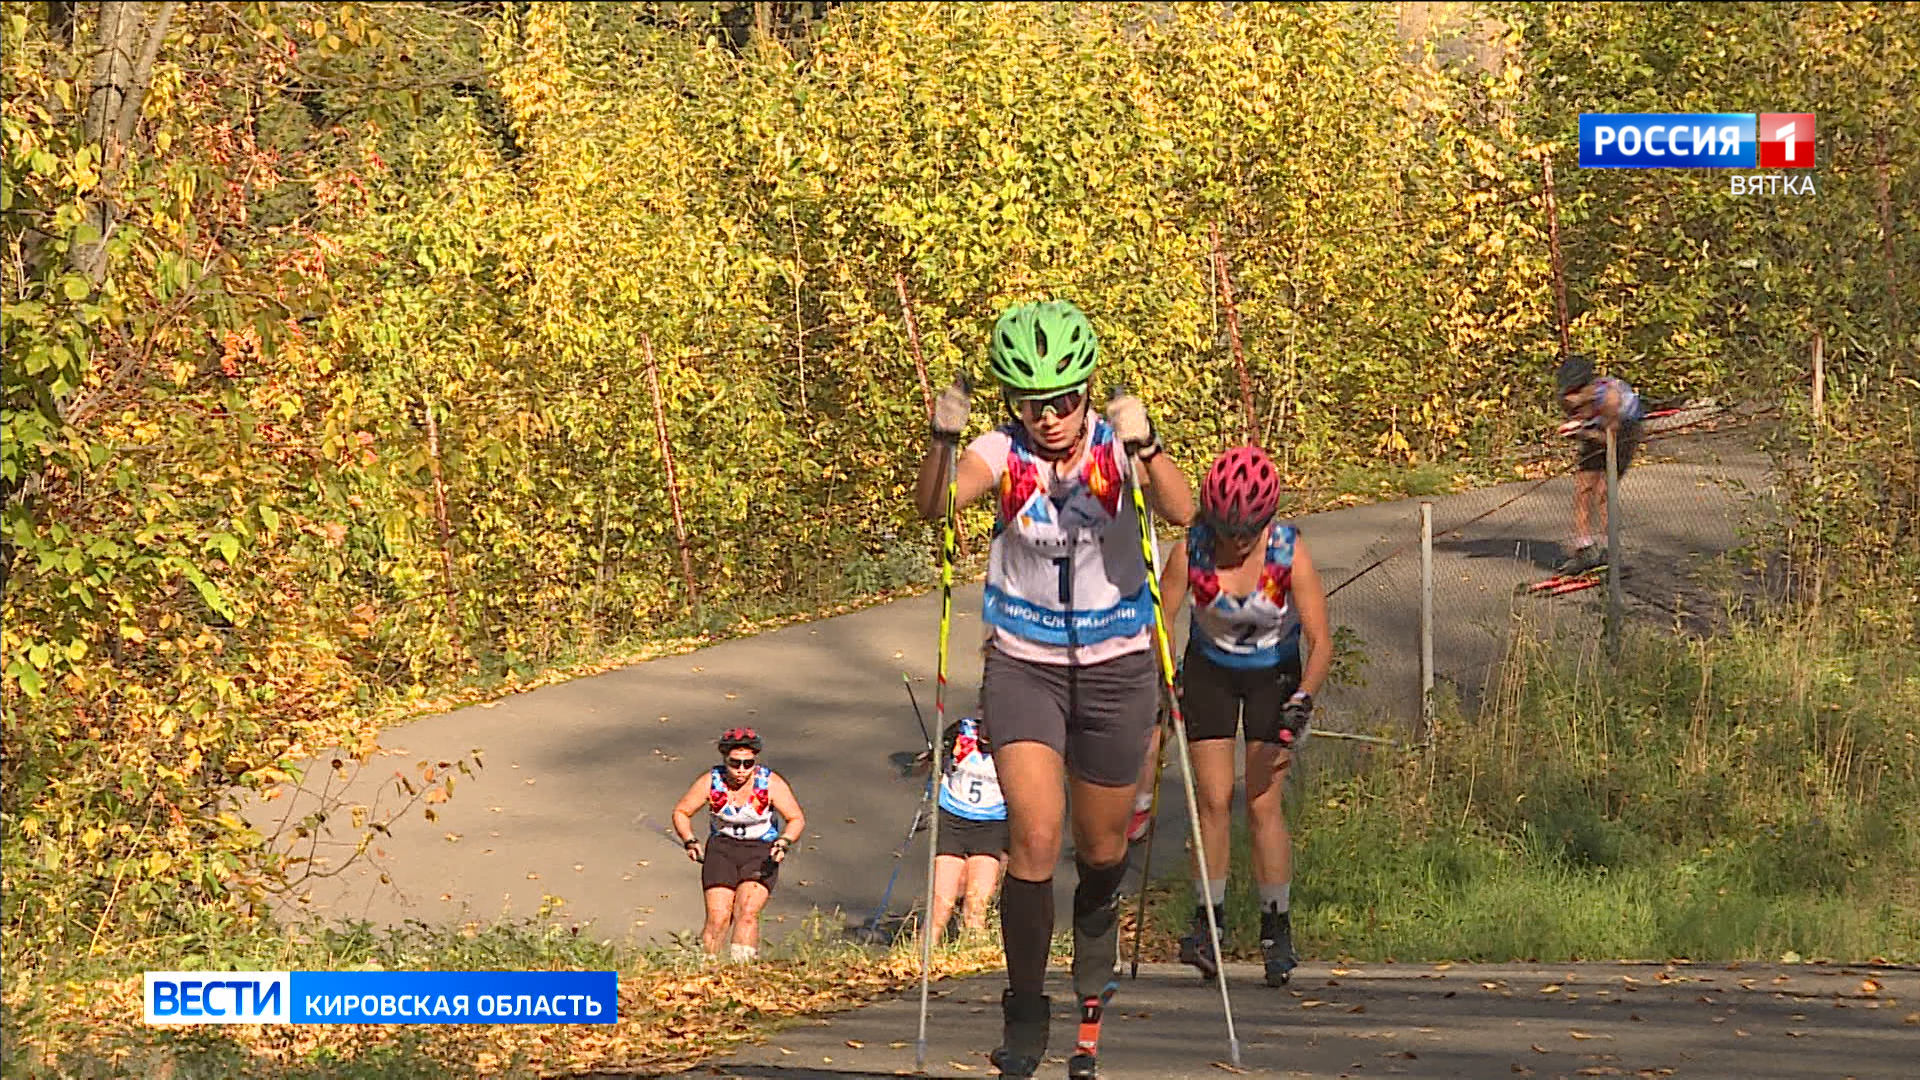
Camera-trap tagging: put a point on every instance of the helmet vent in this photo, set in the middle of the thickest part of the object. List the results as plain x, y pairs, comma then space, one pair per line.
1040, 341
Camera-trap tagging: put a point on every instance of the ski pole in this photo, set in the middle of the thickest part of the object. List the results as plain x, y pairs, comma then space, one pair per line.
899, 855
1146, 862
915, 700
938, 775
1153, 802
1186, 761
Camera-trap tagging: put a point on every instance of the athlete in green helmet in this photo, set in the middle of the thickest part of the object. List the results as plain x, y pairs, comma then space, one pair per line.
1071, 684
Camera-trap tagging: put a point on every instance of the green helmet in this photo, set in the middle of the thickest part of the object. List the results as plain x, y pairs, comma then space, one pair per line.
1041, 347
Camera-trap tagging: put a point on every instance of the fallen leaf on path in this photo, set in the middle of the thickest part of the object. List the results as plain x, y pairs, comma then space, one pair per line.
856, 1044
1550, 988
1342, 971
1913, 1018
1225, 1067
453, 838
1538, 1049
646, 862
1358, 1009
1522, 1069
730, 697
1796, 1034
1489, 986
1740, 1033
446, 896
786, 1051
531, 876
1869, 987
897, 1045
1583, 1036
1312, 1003
850, 821
1599, 1070
962, 1068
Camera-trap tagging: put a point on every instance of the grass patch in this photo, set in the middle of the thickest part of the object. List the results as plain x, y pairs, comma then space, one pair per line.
83, 1019
1749, 796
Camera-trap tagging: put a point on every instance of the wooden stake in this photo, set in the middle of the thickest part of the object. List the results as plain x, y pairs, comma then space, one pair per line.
1225, 280
1559, 271
440, 513
673, 483
1819, 376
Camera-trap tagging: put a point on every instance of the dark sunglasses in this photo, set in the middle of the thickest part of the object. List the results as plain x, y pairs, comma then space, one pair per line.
1061, 404
741, 763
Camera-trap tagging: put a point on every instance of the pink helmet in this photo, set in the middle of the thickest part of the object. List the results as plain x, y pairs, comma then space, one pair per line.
1241, 492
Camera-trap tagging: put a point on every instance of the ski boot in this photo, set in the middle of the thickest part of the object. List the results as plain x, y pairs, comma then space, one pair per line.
1584, 560
1096, 952
1024, 1021
1197, 947
1276, 946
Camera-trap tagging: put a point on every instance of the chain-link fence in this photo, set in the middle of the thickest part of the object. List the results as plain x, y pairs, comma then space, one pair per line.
1398, 604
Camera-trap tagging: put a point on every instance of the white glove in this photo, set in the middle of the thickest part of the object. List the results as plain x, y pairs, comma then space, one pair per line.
1128, 415
950, 410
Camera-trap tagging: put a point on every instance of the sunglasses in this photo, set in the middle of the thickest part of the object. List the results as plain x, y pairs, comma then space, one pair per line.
741, 762
1063, 403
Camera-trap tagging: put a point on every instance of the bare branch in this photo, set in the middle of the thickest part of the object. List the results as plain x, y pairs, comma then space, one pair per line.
136, 95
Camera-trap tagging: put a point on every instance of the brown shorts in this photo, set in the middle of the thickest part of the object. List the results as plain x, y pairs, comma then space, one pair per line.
730, 862
1096, 717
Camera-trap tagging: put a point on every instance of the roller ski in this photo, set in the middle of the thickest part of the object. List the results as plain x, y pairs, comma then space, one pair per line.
1085, 1063
1096, 956
1586, 569
1276, 947
1196, 948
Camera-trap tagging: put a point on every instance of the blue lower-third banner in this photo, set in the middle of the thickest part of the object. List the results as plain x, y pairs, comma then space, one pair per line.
382, 997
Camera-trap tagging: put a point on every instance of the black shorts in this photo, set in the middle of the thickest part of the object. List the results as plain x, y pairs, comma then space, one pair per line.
961, 837
730, 861
1593, 452
1096, 717
1212, 698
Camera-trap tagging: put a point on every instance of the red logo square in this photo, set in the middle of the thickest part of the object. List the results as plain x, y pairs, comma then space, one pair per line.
1786, 140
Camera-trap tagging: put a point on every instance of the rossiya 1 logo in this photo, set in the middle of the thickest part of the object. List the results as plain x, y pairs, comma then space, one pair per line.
1706, 141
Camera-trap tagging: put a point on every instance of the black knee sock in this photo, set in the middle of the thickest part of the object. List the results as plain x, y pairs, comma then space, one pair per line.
1097, 887
1026, 930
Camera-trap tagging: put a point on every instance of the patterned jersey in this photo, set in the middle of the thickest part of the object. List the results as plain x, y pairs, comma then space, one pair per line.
972, 787
751, 820
1066, 583
1609, 392
1257, 631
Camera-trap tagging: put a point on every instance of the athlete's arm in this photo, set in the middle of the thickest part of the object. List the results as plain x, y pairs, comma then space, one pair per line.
781, 795
1173, 585
972, 478
1310, 598
1167, 489
684, 810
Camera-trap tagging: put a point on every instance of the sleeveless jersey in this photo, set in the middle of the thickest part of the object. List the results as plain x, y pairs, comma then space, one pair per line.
1064, 570
972, 787
751, 820
1609, 390
1262, 630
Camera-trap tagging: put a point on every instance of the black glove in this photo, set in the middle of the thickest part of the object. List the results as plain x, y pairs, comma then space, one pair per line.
1293, 720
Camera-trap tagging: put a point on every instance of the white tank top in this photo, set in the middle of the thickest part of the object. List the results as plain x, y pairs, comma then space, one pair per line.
972, 786
752, 820
1065, 577
1258, 631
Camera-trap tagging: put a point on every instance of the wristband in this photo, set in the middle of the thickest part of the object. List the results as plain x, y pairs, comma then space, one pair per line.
690, 842
783, 842
1152, 450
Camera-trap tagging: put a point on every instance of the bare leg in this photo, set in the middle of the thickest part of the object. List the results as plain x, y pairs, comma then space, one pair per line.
1267, 767
719, 919
749, 898
947, 873
1031, 776
983, 880
1213, 789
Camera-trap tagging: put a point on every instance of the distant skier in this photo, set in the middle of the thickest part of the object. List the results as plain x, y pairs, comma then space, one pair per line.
1595, 406
755, 820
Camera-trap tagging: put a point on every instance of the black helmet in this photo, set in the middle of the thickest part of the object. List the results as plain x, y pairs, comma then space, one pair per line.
1576, 371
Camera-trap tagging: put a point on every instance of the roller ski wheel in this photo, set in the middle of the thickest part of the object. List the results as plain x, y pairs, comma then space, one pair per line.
1085, 1062
1024, 1020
